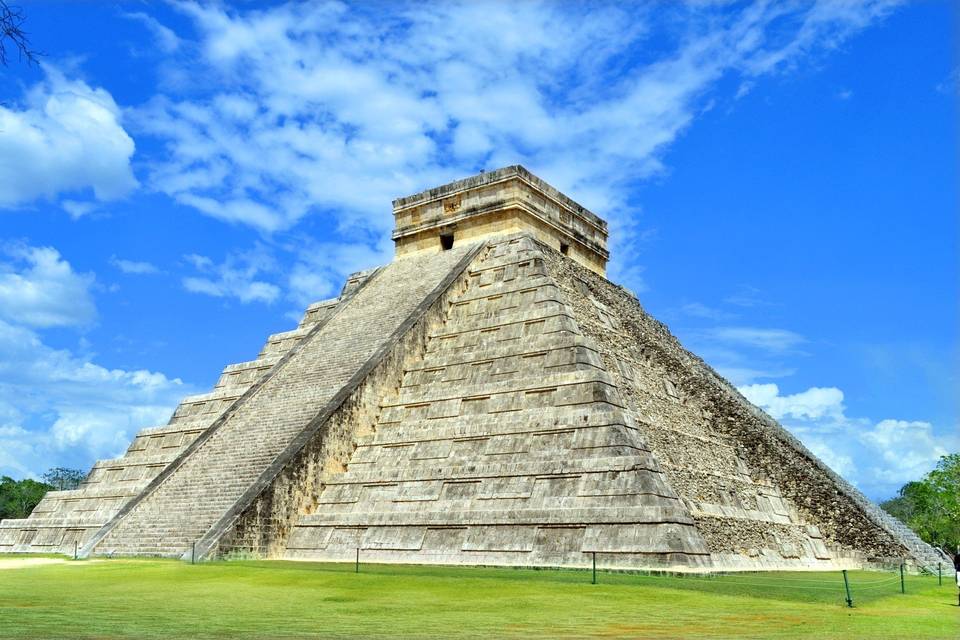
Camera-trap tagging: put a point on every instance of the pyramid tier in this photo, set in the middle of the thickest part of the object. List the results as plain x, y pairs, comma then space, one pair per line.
66, 520
203, 487
506, 443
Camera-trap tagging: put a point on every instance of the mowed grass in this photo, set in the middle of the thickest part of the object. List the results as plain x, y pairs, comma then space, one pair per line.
123, 598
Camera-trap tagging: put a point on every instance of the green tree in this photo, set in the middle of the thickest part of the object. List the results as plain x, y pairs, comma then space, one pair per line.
18, 498
931, 506
63, 479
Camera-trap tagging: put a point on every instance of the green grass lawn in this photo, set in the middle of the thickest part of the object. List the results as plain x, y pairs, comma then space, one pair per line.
122, 598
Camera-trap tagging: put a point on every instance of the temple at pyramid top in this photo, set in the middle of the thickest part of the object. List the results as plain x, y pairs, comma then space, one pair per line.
496, 203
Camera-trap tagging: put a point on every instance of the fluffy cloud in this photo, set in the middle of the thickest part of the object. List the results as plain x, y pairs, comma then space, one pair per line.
57, 408
331, 109
165, 38
66, 137
878, 457
812, 404
318, 271
322, 268
135, 267
38, 288
908, 449
236, 277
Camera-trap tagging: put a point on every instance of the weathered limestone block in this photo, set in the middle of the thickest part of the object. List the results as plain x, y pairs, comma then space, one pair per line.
263, 528
512, 443
487, 398
760, 499
199, 497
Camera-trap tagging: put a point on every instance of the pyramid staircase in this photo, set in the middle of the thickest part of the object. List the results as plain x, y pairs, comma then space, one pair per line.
204, 488
66, 520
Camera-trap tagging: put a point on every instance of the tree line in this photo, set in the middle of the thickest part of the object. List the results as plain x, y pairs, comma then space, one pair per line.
931, 506
19, 497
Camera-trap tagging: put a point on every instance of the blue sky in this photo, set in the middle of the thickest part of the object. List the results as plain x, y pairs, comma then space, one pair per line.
179, 180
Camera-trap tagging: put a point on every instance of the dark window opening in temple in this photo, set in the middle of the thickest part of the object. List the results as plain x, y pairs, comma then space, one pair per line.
446, 241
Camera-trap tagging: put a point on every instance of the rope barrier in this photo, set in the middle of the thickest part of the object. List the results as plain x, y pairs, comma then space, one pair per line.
877, 586
826, 581
823, 587
822, 583
765, 581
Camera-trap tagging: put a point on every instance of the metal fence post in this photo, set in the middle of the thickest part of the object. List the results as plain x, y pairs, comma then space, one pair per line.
939, 574
594, 568
358, 561
846, 586
193, 553
74, 549
903, 586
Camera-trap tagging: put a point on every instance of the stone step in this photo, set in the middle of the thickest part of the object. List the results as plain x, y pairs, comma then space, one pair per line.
192, 497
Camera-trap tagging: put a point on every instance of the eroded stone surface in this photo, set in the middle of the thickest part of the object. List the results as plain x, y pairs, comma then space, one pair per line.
499, 402
208, 483
758, 496
506, 443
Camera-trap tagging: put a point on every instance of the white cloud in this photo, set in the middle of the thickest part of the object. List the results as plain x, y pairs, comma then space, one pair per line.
236, 277
841, 463
631, 277
134, 266
908, 449
878, 457
743, 355
166, 39
38, 288
771, 340
235, 210
813, 404
78, 209
65, 138
57, 408
824, 25
745, 88
324, 108
322, 268
318, 271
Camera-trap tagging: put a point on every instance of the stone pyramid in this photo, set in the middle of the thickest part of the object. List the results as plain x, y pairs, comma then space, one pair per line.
488, 397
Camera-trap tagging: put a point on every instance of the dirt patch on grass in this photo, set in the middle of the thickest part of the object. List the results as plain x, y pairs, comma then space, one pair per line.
21, 563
